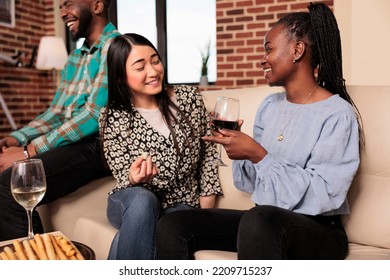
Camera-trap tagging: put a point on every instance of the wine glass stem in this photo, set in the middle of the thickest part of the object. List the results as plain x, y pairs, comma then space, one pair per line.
220, 151
30, 234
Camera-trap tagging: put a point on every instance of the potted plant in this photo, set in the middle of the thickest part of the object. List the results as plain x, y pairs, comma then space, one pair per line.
204, 69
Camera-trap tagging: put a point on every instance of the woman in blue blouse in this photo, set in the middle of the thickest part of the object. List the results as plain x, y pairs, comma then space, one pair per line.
299, 164
151, 138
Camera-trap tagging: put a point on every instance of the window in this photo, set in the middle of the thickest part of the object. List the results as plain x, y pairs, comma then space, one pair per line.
137, 16
181, 29
191, 30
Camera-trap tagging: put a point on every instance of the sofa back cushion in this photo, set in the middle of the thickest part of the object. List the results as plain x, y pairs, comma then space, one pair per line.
369, 196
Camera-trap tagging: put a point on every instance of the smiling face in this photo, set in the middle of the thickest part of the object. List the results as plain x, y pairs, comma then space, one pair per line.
77, 16
145, 72
277, 62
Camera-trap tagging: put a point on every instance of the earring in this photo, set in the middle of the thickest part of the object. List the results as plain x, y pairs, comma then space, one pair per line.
296, 59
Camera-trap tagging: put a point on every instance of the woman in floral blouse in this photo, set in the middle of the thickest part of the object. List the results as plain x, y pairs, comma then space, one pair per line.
151, 137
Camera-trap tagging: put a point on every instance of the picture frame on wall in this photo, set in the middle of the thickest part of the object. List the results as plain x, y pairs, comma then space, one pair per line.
7, 13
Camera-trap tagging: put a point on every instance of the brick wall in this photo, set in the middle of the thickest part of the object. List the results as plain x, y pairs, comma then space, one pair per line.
241, 26
26, 91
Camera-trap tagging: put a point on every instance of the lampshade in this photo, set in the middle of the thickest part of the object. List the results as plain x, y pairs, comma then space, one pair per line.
52, 53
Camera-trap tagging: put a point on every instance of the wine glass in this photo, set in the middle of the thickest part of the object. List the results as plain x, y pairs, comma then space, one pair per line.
226, 114
28, 186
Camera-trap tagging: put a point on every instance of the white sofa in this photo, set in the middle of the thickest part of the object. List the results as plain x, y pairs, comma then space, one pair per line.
82, 215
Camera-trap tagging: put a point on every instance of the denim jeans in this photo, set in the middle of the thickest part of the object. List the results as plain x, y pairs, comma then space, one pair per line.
263, 232
67, 168
134, 211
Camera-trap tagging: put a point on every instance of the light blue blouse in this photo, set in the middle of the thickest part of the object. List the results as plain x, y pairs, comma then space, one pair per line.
311, 170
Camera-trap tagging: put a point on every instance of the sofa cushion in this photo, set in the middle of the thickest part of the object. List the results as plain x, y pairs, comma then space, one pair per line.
363, 252
96, 232
215, 255
356, 252
89, 201
369, 196
369, 221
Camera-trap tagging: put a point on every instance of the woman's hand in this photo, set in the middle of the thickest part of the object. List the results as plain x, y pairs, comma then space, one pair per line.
142, 170
238, 145
207, 201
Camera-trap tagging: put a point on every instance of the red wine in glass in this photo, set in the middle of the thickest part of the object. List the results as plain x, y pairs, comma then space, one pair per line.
222, 124
226, 115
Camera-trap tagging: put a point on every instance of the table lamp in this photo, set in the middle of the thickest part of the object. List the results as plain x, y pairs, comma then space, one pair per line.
52, 54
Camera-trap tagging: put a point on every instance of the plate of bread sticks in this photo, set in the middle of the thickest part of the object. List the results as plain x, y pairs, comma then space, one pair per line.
46, 246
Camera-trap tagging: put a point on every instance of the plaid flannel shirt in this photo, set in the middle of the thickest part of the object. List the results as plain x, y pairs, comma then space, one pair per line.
73, 114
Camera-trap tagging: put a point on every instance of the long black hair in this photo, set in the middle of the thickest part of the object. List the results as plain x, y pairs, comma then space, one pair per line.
319, 29
120, 96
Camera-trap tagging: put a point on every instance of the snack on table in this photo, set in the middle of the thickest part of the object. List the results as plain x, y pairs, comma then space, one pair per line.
39, 248
18, 250
42, 247
145, 155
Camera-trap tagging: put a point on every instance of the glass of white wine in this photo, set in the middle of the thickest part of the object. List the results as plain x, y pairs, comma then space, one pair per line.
28, 186
226, 115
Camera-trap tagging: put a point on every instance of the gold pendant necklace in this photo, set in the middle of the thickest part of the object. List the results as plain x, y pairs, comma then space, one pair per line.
281, 136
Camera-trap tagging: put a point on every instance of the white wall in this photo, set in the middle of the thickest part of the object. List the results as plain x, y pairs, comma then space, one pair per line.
59, 25
365, 35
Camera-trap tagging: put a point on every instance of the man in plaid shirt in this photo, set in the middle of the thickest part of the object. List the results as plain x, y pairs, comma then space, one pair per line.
65, 136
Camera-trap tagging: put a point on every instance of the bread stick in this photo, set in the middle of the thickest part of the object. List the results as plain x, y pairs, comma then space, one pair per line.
51, 254
19, 250
41, 247
34, 246
10, 253
66, 246
70, 248
61, 255
29, 251
3, 256
79, 256
145, 155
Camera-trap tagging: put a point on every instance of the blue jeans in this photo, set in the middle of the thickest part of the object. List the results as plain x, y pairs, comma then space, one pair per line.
67, 168
134, 211
261, 233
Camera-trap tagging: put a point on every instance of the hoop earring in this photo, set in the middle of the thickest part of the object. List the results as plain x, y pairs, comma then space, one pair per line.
294, 61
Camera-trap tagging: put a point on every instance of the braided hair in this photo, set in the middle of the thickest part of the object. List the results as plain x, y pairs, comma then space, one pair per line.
319, 29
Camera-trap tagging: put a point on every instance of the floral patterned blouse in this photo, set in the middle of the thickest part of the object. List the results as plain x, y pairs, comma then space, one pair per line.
182, 177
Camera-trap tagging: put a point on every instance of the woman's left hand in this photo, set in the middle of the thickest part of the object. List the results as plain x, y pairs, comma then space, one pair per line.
142, 170
238, 145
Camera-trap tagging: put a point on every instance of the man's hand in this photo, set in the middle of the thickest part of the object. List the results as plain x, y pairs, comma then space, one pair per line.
7, 142
12, 154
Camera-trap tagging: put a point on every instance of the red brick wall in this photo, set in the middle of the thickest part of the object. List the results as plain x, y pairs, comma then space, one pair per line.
241, 26
27, 91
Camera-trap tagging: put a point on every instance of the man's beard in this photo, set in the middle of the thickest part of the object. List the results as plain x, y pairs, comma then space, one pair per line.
85, 21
